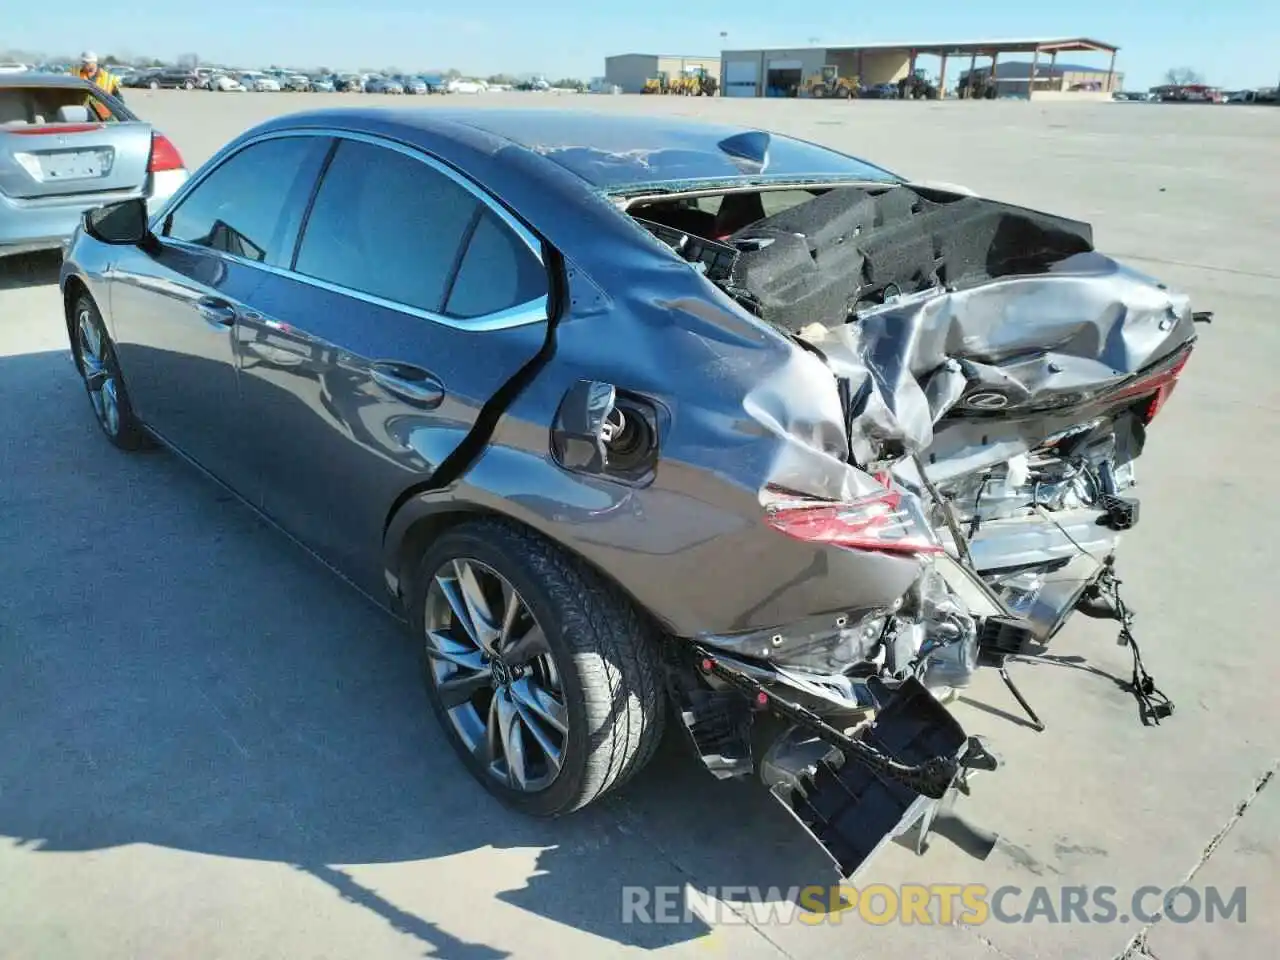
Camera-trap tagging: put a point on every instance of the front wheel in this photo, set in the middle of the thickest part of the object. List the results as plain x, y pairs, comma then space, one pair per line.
545, 678
95, 358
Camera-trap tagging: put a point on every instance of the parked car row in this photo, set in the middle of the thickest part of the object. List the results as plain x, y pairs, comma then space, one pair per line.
1197, 93
271, 81
234, 79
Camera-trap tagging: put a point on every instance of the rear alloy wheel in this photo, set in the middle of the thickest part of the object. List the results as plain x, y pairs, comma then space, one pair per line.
95, 358
545, 679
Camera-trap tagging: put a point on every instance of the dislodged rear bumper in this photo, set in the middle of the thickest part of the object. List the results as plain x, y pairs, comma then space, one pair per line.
851, 790
851, 810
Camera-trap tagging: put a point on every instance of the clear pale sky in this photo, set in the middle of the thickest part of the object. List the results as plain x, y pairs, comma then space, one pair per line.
1233, 43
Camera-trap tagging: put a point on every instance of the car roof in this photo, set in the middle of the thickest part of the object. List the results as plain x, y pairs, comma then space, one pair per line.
31, 78
625, 153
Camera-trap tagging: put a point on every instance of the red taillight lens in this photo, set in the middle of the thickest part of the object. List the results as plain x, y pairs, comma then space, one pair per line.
1157, 385
1162, 394
881, 521
164, 155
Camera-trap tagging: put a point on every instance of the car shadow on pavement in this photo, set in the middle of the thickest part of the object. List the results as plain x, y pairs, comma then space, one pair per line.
30, 270
175, 672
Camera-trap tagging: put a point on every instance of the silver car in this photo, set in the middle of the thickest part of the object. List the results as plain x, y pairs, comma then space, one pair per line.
59, 159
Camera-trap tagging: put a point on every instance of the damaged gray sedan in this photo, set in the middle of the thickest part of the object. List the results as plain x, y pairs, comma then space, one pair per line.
631, 417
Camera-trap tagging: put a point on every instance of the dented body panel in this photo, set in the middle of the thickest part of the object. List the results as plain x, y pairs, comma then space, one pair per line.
690, 544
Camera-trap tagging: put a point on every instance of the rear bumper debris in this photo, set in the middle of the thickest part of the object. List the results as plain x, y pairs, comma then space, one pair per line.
852, 789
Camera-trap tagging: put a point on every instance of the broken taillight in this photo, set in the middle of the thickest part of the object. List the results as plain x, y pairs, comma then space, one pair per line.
1157, 385
164, 155
887, 521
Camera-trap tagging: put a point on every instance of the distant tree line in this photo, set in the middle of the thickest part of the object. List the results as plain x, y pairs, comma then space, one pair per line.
1183, 76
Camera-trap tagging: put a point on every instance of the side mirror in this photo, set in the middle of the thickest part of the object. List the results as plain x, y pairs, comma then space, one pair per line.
119, 224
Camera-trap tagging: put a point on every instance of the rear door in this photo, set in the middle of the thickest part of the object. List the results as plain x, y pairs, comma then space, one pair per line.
412, 299
43, 155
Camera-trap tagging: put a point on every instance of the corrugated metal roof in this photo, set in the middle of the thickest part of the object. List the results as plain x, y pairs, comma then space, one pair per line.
966, 45
668, 56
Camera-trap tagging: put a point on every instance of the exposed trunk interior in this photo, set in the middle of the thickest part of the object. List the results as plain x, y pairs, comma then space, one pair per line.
803, 256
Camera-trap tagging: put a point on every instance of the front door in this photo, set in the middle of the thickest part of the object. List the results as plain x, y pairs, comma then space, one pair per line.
413, 298
175, 307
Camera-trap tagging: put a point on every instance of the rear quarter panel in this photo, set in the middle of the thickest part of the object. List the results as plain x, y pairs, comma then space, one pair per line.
691, 546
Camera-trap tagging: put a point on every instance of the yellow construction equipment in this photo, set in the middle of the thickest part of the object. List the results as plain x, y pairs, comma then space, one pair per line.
828, 83
690, 82
701, 82
656, 84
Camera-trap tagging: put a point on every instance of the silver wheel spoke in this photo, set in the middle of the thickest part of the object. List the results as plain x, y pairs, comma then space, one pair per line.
110, 406
528, 647
459, 687
89, 334
550, 752
539, 706
444, 647
103, 391
511, 606
509, 738
461, 615
483, 627
483, 748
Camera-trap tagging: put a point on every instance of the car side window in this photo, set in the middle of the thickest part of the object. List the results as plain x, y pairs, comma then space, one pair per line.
387, 225
497, 272
251, 205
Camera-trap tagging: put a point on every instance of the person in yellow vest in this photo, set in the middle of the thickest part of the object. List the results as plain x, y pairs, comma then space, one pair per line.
103, 79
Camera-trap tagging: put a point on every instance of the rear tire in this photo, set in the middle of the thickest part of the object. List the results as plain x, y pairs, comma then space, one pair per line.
603, 658
95, 358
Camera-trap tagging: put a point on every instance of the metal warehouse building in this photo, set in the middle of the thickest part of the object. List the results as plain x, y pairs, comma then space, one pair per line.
630, 70
778, 72
1013, 78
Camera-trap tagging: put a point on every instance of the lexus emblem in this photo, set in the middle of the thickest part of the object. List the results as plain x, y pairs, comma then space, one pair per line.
987, 400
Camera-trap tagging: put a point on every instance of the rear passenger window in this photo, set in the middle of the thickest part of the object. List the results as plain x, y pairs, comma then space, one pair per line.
250, 206
498, 271
387, 225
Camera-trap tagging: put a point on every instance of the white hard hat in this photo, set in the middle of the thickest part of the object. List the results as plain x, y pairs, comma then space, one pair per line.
88, 57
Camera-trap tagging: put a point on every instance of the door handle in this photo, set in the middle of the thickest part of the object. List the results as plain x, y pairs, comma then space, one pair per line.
215, 312
408, 383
